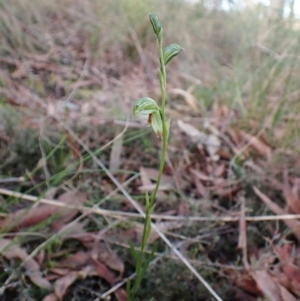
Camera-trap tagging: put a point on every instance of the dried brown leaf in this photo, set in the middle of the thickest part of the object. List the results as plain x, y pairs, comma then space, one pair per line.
267, 285
293, 224
226, 192
76, 230
243, 233
62, 285
66, 214
152, 174
103, 253
148, 174
35, 215
242, 229
238, 294
183, 208
235, 136
213, 145
220, 111
115, 154
286, 295
260, 146
121, 295
10, 250
28, 217
210, 141
270, 287
41, 257
145, 179
51, 297
245, 282
73, 147
201, 176
76, 261
104, 273
151, 187
60, 271
50, 194
291, 195
255, 167
290, 270
220, 170
191, 131
200, 187
188, 97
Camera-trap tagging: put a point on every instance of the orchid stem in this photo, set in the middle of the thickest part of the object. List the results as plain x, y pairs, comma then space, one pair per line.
163, 80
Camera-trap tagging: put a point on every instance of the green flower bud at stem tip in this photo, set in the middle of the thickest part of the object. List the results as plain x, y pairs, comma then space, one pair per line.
171, 51
156, 24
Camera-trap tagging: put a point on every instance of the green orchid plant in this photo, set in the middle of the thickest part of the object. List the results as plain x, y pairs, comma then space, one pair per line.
156, 119
147, 105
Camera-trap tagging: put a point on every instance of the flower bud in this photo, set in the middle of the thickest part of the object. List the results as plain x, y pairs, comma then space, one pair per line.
156, 24
145, 106
171, 51
148, 106
156, 122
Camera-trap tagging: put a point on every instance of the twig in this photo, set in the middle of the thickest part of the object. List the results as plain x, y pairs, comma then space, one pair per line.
243, 233
44, 157
116, 214
12, 180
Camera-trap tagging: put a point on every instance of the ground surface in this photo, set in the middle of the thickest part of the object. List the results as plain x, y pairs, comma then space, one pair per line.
69, 74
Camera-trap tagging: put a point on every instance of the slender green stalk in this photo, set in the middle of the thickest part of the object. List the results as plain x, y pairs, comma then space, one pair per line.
156, 118
163, 85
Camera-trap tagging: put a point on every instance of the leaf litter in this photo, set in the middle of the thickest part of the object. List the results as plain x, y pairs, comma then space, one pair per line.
99, 258
10, 250
31, 216
79, 265
207, 171
211, 177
